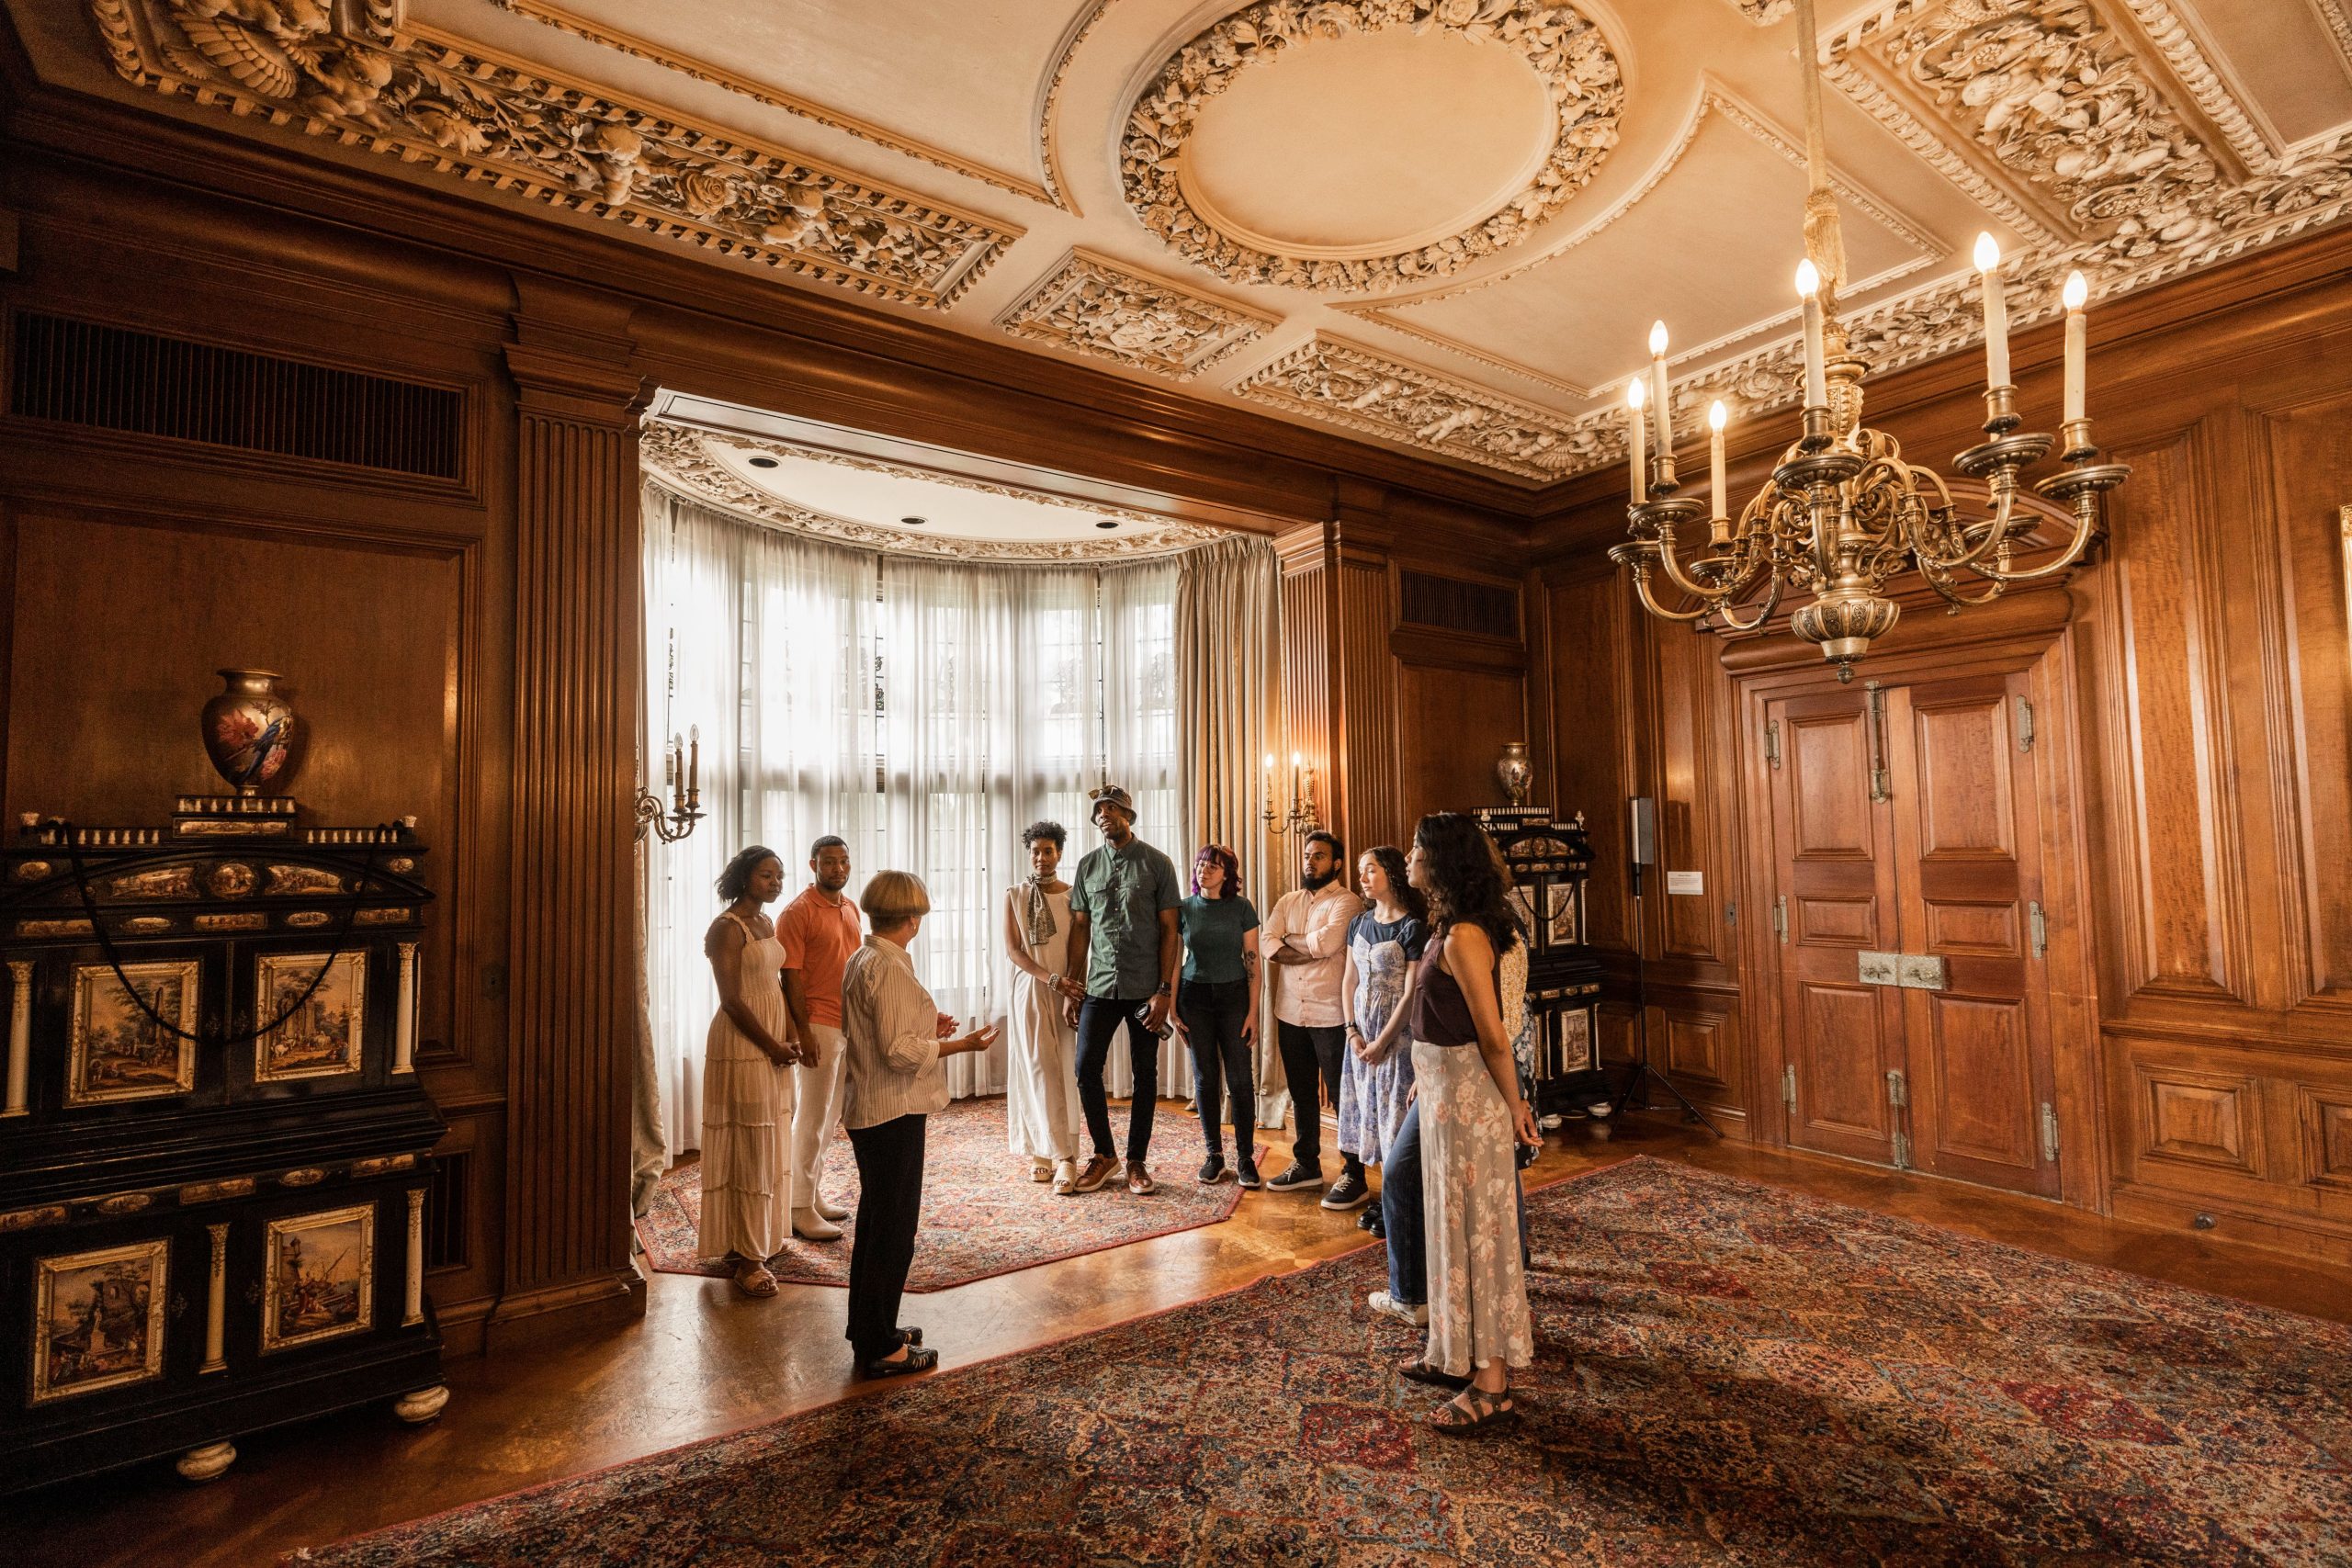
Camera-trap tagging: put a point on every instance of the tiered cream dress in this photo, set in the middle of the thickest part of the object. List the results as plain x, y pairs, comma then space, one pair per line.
1042, 1115
747, 1118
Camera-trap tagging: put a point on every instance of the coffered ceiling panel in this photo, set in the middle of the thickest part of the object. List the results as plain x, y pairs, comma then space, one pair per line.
1439, 225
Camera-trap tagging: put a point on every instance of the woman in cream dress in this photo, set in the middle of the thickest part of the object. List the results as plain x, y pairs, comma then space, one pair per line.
747, 1080
1041, 1114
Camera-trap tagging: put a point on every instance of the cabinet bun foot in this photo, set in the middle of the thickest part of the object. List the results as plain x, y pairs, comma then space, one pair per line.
423, 1405
205, 1461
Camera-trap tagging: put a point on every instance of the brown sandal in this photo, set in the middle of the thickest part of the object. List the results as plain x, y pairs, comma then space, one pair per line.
1458, 1419
753, 1279
1422, 1371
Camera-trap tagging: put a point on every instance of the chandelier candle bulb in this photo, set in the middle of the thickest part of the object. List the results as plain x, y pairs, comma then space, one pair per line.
1634, 455
693, 766
1816, 369
1997, 312
1717, 416
2078, 344
1661, 406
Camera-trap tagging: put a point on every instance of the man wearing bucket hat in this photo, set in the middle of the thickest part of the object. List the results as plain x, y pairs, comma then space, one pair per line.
1123, 903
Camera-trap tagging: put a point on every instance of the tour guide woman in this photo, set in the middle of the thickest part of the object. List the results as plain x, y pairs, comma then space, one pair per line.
894, 1039
1467, 1086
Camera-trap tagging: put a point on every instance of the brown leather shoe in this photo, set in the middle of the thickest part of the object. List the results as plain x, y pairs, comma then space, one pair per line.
1098, 1171
1139, 1182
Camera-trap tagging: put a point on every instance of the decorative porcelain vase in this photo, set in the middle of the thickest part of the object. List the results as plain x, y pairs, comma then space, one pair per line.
248, 729
1516, 773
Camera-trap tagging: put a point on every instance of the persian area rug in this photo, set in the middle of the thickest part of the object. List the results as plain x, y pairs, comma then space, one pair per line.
981, 1214
1727, 1373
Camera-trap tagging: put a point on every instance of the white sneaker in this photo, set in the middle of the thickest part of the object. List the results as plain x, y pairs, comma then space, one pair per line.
827, 1209
809, 1225
1383, 1302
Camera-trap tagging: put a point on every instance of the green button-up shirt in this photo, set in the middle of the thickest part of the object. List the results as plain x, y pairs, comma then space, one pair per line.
1122, 892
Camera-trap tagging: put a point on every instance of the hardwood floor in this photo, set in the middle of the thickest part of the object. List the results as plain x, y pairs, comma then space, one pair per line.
705, 1360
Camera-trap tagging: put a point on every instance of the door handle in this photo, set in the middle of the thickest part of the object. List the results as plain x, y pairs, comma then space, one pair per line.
1910, 971
1879, 968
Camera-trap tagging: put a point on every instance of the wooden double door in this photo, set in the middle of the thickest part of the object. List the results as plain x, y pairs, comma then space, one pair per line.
1907, 860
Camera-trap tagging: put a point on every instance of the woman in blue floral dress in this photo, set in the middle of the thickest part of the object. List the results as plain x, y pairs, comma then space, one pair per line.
1376, 1076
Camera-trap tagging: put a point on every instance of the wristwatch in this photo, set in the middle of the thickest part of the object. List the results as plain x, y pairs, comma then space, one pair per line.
1164, 989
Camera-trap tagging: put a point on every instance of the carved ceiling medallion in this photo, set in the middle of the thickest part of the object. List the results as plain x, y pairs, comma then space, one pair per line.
349, 71
1091, 305
681, 460
1566, 52
1359, 388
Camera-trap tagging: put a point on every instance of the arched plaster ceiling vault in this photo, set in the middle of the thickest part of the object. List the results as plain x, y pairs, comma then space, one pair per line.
1441, 225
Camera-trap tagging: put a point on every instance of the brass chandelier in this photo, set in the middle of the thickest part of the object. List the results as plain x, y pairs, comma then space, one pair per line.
1844, 511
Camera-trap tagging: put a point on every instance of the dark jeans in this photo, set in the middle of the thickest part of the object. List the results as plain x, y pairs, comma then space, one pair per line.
1099, 1018
1307, 1053
889, 1199
1214, 1014
1401, 1211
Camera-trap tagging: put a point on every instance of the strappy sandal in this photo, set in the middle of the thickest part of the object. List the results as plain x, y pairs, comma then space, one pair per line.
753, 1279
1483, 1410
1434, 1376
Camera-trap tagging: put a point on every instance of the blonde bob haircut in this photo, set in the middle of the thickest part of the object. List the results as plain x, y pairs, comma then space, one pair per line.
892, 897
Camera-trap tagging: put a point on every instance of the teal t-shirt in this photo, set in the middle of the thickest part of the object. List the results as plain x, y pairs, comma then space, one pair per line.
1213, 932
1121, 891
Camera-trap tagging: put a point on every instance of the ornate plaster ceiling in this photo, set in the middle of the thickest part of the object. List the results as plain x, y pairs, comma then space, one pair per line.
1442, 225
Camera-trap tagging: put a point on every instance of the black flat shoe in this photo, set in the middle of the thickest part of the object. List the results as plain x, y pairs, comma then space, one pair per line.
910, 1335
917, 1361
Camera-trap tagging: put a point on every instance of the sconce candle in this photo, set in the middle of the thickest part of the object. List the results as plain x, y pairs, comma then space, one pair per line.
2075, 295
1816, 369
693, 765
1717, 416
1661, 406
1633, 441
1997, 312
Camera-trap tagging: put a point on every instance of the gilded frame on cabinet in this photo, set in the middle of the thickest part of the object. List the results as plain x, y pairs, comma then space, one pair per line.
1573, 1045
1562, 926
317, 1277
324, 1036
98, 1319
111, 1037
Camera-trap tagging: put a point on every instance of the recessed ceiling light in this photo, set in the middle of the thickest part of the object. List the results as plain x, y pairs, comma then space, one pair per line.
914, 522
1108, 523
764, 462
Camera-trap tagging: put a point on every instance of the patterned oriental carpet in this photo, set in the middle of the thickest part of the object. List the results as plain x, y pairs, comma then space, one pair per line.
1727, 1373
981, 1214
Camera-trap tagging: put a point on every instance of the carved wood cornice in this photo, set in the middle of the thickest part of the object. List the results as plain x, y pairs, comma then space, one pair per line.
612, 38
454, 108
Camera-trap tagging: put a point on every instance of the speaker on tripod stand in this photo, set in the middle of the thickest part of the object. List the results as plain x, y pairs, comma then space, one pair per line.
1641, 842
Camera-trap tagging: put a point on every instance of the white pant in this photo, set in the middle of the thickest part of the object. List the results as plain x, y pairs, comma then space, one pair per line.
817, 1108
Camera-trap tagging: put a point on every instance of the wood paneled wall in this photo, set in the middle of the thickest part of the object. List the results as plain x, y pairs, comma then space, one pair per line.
467, 648
2207, 762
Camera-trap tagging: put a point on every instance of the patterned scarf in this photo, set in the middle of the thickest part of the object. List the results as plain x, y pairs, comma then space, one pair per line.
1041, 911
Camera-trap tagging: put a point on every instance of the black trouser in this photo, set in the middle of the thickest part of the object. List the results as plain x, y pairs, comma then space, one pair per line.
1306, 1052
1099, 1018
1400, 1210
889, 1200
1215, 1013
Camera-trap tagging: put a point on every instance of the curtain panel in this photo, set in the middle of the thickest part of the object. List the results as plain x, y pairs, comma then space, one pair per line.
927, 711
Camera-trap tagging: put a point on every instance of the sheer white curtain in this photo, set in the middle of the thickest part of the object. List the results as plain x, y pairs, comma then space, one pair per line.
924, 710
766, 640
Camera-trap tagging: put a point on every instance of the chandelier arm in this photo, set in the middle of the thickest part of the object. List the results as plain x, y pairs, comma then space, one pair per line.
2084, 534
1764, 612
1997, 528
1942, 584
1649, 603
1688, 586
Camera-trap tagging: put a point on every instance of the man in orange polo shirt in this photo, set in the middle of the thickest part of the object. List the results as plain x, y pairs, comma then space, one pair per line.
820, 930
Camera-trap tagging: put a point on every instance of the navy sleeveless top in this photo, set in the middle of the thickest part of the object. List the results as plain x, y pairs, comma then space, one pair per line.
1440, 1013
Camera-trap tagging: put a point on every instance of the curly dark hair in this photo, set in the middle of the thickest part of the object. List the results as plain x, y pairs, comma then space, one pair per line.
1391, 861
1041, 829
1465, 884
1217, 855
736, 880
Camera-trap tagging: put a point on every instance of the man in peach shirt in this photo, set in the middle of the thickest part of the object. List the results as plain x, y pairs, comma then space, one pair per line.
818, 929
1306, 939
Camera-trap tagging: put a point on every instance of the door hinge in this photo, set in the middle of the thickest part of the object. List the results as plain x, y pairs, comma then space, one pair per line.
1773, 742
2040, 925
1881, 786
1781, 919
1902, 1152
1789, 1087
2025, 725
1898, 1093
2049, 1131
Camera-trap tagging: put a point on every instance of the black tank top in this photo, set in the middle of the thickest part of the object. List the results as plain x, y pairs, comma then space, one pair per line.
1440, 1013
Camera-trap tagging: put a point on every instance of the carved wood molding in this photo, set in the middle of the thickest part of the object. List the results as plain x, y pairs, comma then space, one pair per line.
462, 111
595, 32
1559, 42
1090, 304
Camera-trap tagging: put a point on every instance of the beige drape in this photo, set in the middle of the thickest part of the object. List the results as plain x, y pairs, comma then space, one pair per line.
1228, 652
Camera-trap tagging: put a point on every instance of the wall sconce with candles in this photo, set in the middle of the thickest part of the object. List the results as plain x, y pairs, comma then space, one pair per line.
682, 776
1299, 816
